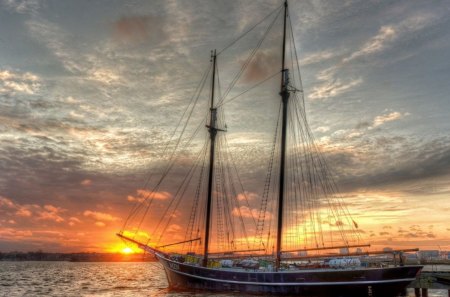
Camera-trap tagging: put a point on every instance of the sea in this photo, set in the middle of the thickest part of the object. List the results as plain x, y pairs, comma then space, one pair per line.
99, 279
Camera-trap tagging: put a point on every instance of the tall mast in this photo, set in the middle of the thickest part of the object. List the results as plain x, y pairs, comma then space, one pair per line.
284, 93
212, 133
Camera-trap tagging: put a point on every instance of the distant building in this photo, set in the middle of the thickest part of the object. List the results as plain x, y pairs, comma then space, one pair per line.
429, 255
343, 251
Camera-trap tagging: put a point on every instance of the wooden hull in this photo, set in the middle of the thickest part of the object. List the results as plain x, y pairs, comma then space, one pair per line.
323, 282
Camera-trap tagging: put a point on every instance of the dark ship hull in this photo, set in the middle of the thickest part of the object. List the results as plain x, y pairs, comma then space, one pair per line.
314, 282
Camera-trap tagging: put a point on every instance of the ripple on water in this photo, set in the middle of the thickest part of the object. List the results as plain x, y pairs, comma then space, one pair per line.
95, 280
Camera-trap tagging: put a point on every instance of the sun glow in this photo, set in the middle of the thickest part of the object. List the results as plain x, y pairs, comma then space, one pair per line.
127, 250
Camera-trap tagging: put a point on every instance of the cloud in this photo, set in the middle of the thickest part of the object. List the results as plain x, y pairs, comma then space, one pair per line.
86, 182
399, 163
322, 129
173, 228
140, 28
249, 213
57, 41
14, 234
333, 89
100, 224
23, 6
317, 57
382, 119
73, 221
245, 212
146, 194
383, 40
89, 65
390, 33
100, 216
415, 231
23, 212
47, 212
13, 83
6, 202
103, 75
247, 196
51, 213
261, 66
377, 43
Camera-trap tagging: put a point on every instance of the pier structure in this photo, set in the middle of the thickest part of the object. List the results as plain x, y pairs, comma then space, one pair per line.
431, 280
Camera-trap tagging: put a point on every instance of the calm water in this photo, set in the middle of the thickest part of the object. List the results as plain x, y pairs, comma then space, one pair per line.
95, 279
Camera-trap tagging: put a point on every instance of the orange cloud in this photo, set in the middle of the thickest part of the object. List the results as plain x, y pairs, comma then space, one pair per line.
86, 182
244, 211
138, 29
247, 196
5, 202
100, 224
46, 212
73, 221
261, 66
13, 234
23, 212
173, 228
51, 213
100, 216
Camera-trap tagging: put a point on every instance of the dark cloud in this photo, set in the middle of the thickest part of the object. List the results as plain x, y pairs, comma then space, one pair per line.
363, 125
48, 175
411, 167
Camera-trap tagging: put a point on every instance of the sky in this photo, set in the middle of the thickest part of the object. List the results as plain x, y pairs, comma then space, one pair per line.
90, 93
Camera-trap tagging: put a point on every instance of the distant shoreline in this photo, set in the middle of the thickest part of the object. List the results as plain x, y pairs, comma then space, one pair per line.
76, 257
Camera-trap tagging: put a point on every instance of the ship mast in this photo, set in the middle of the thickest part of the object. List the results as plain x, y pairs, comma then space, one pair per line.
212, 134
284, 93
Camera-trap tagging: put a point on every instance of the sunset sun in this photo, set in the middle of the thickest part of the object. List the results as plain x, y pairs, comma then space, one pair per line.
127, 251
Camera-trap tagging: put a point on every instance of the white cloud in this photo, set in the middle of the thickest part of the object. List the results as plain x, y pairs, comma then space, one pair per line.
23, 6
387, 34
384, 39
322, 129
91, 66
57, 42
333, 89
13, 82
317, 57
377, 43
381, 119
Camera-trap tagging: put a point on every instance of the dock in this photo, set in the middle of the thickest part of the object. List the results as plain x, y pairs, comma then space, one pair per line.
431, 280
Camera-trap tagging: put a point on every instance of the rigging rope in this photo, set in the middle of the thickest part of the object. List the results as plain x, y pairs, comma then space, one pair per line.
193, 102
248, 60
249, 30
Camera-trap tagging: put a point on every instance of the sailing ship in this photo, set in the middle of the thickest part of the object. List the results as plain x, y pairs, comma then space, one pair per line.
293, 241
